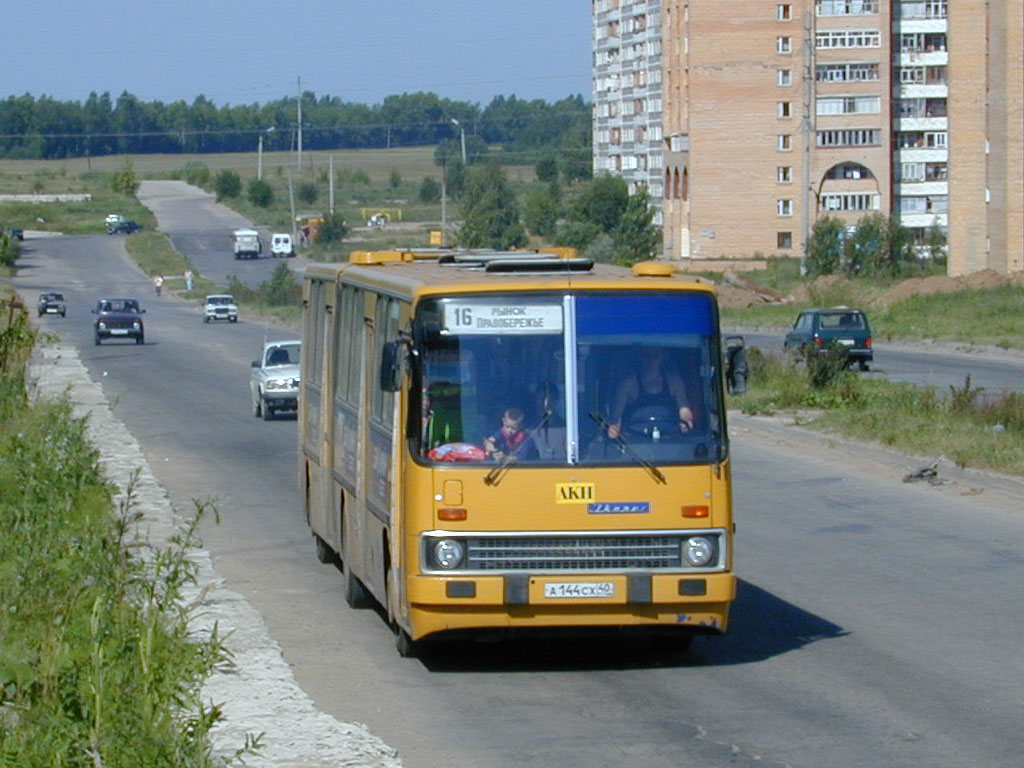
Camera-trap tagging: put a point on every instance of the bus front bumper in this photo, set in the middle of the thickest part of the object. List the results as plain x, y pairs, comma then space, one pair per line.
699, 601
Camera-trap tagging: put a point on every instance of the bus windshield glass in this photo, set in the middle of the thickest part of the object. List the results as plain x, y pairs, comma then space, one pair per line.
642, 371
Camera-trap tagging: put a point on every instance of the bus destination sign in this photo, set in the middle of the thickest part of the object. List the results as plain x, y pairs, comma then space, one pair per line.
465, 318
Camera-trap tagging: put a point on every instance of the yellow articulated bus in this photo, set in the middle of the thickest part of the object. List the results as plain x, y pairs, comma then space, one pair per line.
519, 440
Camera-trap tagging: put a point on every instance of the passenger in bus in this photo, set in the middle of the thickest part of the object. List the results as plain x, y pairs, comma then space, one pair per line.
509, 439
653, 389
547, 434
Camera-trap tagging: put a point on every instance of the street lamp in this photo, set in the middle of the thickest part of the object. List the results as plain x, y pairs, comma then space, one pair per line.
259, 153
462, 134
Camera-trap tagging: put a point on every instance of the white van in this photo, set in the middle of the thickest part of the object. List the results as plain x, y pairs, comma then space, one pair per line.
281, 245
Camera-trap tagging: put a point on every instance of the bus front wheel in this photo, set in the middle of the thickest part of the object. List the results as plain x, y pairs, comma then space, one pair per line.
406, 646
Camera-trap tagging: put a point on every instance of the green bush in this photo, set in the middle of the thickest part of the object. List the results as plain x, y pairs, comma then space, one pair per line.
227, 185
430, 190
307, 192
260, 193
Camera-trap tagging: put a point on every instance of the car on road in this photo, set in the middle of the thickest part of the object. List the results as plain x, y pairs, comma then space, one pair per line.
52, 303
274, 383
821, 329
123, 228
118, 318
17, 233
220, 306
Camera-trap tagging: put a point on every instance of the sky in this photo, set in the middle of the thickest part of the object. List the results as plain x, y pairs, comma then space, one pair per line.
255, 51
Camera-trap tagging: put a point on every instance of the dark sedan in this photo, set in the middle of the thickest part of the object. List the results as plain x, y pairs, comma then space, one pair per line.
118, 319
52, 303
123, 228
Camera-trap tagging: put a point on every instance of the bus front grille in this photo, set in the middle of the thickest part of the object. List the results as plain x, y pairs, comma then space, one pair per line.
573, 553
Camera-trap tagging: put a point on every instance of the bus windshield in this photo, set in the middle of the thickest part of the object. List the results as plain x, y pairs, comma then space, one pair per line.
642, 371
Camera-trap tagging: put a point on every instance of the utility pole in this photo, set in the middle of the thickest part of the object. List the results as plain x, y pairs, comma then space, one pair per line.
330, 183
299, 136
806, 136
291, 200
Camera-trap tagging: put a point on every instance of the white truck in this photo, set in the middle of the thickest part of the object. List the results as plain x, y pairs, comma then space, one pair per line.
247, 244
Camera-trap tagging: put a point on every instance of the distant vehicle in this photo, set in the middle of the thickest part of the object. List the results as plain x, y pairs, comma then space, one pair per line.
820, 329
52, 303
220, 306
17, 232
113, 218
118, 318
123, 228
247, 244
281, 245
274, 384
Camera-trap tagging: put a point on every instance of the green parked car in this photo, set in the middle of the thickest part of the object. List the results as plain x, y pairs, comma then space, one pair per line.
820, 329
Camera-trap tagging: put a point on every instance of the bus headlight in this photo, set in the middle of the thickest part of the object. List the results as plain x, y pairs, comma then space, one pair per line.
698, 551
448, 554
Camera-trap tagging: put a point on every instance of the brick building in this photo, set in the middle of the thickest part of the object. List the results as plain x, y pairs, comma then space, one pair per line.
773, 114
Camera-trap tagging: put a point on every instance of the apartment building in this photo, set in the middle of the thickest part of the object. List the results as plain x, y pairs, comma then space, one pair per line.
774, 114
627, 98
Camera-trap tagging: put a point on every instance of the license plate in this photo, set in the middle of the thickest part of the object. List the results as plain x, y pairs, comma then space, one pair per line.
846, 342
118, 332
581, 589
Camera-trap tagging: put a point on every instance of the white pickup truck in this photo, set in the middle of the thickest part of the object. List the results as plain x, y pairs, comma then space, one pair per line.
247, 244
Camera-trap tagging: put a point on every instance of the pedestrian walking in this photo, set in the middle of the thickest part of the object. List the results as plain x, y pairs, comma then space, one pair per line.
158, 284
188, 279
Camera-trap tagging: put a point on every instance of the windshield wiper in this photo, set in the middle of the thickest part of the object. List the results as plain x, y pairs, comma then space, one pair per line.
494, 476
628, 449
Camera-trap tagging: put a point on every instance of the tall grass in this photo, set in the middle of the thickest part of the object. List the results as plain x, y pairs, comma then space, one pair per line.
97, 665
963, 424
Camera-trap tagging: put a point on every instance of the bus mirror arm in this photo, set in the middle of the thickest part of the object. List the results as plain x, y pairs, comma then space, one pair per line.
736, 368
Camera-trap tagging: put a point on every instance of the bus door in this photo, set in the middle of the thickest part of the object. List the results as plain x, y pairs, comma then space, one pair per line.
378, 455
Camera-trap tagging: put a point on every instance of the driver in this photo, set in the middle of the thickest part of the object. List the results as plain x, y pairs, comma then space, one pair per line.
650, 386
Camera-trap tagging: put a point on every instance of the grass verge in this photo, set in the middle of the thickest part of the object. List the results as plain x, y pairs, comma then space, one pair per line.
965, 425
97, 665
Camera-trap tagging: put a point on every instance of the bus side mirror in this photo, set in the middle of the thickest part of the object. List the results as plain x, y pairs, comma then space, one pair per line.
391, 367
735, 365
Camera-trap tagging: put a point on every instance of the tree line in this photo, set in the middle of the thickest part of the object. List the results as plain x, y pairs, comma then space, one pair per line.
45, 128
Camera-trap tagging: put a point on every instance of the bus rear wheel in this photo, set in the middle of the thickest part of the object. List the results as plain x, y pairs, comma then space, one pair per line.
355, 593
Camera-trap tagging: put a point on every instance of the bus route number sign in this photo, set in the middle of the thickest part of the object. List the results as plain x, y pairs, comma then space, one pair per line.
466, 319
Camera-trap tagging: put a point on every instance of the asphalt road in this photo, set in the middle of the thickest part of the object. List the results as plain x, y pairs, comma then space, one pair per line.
877, 624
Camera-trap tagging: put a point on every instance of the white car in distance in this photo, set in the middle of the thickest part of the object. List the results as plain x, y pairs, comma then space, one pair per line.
274, 384
220, 306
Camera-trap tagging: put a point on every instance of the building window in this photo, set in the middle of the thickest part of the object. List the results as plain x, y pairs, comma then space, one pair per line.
846, 7
850, 202
785, 77
784, 240
785, 142
784, 12
851, 137
784, 45
846, 73
783, 108
849, 38
848, 105
784, 174
784, 207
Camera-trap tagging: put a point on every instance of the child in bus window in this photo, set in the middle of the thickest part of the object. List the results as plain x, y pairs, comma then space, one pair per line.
509, 437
